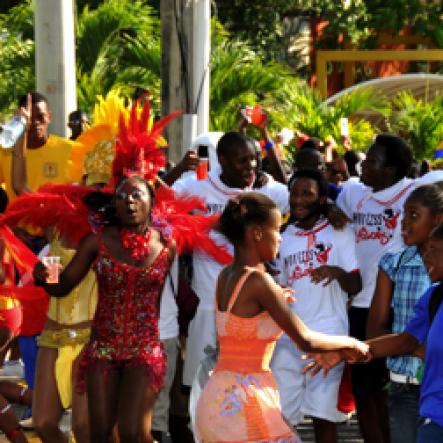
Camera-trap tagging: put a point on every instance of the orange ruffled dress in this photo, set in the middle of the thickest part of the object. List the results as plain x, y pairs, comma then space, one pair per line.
240, 402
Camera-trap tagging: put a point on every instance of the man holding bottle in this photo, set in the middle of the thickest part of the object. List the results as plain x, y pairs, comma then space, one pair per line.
48, 157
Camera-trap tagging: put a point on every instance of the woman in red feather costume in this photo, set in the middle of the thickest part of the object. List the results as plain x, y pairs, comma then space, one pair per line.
124, 363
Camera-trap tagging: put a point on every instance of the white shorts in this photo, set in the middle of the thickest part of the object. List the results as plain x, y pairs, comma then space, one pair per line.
160, 412
201, 333
301, 394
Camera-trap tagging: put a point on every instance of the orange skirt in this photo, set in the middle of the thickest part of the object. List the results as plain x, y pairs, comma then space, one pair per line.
236, 408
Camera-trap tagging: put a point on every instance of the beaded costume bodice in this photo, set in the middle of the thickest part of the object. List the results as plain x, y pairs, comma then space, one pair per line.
128, 306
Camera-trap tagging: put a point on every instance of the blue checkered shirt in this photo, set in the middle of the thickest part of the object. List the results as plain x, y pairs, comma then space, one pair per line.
408, 273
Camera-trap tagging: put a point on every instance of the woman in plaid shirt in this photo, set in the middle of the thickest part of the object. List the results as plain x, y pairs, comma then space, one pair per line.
401, 280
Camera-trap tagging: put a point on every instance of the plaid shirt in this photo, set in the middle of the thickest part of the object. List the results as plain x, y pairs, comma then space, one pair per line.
408, 273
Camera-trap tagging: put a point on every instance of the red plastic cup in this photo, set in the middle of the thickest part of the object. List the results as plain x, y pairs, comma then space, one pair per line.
257, 116
202, 170
53, 266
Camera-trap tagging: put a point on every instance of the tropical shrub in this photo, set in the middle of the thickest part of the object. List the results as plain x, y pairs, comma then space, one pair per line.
419, 122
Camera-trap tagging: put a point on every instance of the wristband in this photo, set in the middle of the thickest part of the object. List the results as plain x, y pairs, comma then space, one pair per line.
268, 145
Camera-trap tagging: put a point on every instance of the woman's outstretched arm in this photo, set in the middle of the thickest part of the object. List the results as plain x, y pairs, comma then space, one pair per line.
271, 297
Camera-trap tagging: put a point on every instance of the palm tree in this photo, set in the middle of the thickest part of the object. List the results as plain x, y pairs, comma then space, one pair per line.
307, 113
419, 122
17, 56
108, 41
118, 46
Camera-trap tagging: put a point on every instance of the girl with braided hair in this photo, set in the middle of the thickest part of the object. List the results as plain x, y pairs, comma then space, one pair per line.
240, 403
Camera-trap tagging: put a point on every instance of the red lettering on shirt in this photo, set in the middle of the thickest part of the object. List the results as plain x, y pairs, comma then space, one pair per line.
299, 273
364, 234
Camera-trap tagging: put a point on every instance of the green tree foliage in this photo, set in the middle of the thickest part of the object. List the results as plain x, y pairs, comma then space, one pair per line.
117, 45
305, 112
109, 40
356, 21
17, 56
419, 122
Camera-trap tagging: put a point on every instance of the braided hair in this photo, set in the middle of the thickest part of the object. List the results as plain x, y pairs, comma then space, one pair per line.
243, 210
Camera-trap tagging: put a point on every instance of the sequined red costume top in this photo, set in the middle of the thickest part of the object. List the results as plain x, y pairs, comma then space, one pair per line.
125, 325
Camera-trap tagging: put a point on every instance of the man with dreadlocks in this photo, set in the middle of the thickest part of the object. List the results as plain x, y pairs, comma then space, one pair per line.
319, 263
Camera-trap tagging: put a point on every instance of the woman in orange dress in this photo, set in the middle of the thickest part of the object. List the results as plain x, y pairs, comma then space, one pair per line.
240, 402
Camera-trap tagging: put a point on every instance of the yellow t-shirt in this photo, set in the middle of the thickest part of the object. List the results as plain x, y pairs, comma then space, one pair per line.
49, 164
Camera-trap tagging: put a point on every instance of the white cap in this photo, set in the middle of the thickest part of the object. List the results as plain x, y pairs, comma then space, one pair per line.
209, 139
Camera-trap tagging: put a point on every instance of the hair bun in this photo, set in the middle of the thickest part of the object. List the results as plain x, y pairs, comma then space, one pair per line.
242, 210
237, 208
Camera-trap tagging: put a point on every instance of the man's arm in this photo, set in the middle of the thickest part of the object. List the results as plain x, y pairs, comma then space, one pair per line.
277, 170
19, 178
350, 282
188, 163
380, 310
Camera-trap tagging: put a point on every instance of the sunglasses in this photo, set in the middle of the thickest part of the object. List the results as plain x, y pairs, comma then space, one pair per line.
136, 194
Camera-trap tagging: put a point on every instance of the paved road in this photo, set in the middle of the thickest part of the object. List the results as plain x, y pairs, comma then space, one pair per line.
347, 432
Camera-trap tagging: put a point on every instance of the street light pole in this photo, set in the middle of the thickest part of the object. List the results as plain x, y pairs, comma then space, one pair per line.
55, 59
185, 70
201, 59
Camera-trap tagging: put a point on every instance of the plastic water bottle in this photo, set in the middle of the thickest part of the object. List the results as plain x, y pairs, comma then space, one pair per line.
12, 131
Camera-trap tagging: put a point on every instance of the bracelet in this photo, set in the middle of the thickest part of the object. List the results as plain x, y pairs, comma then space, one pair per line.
268, 145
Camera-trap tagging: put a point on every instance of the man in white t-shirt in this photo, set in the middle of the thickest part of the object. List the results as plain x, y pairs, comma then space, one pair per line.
237, 172
375, 207
318, 262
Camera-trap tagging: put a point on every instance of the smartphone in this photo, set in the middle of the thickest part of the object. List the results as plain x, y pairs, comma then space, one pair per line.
202, 152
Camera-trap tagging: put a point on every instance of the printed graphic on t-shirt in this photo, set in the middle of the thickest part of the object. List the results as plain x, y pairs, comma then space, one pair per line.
215, 208
304, 262
379, 226
50, 169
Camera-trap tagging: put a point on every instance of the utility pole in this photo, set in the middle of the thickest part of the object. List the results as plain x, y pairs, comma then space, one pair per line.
55, 59
185, 70
201, 59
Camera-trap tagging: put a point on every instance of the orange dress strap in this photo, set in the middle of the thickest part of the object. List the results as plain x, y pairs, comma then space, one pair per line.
237, 288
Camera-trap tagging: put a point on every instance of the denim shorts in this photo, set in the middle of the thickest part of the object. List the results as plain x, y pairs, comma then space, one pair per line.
403, 401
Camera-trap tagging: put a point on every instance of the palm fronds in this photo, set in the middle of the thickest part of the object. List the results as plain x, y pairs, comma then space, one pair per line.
419, 122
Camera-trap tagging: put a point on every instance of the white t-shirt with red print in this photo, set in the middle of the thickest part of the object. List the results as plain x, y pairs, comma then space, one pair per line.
322, 308
216, 194
376, 220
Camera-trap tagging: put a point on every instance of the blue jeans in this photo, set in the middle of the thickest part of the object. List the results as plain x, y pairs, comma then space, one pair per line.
429, 432
403, 401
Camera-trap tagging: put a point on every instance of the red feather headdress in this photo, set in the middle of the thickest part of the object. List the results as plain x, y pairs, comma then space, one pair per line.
137, 150
138, 153
176, 217
57, 206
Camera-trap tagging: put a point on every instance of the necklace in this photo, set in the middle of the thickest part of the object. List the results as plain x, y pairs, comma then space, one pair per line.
137, 243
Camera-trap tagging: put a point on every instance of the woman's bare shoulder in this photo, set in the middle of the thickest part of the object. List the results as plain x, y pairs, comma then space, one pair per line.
260, 282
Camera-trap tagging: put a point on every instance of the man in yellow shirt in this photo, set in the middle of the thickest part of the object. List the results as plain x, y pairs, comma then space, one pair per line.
48, 157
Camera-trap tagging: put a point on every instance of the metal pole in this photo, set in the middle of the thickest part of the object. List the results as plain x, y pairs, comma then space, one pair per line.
200, 59
55, 59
